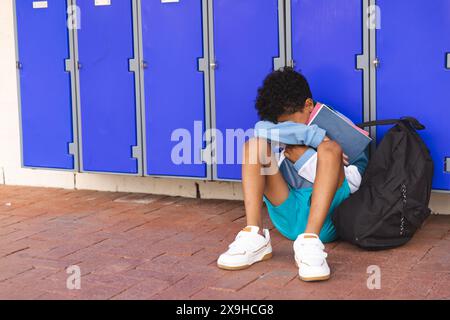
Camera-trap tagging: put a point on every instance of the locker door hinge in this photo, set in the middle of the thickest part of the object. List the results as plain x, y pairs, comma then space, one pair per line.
72, 149
447, 164
362, 62
206, 155
69, 65
448, 60
278, 63
202, 65
19, 65
133, 65
136, 152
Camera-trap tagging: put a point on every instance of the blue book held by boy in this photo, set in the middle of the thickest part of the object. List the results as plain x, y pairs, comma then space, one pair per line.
353, 140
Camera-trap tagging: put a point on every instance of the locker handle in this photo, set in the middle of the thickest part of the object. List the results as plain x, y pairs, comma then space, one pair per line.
376, 62
448, 61
214, 65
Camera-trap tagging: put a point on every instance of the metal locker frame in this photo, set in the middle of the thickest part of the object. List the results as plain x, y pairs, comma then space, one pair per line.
279, 62
69, 67
203, 66
373, 64
134, 66
362, 61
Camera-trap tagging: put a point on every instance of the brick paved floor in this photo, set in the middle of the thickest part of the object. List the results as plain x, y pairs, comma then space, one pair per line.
131, 246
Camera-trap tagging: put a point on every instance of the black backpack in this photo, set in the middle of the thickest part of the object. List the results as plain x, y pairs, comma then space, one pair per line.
392, 202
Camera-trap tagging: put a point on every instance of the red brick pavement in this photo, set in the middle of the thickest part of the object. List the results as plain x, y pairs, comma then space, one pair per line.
134, 246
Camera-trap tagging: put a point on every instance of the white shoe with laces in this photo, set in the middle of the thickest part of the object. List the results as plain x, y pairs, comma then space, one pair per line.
311, 258
248, 248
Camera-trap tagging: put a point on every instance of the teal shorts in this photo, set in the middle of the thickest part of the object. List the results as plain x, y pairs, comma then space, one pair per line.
291, 217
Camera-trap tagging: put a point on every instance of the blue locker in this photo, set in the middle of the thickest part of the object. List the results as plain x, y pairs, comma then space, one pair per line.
412, 78
45, 85
174, 88
246, 42
108, 106
326, 40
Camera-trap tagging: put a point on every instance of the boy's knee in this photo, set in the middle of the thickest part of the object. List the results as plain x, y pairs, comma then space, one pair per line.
330, 148
252, 142
257, 145
257, 150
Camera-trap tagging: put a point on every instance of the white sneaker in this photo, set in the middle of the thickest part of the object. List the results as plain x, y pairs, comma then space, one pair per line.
311, 258
248, 248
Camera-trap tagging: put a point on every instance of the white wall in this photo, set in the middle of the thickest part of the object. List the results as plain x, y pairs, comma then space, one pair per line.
11, 172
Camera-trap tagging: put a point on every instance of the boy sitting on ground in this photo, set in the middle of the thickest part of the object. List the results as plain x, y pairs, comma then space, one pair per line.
301, 188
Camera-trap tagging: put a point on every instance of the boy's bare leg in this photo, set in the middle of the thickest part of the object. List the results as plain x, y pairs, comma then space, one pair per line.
260, 177
329, 178
258, 157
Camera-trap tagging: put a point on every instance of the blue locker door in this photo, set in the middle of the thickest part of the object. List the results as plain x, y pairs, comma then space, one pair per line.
412, 79
246, 41
107, 87
46, 101
326, 39
172, 37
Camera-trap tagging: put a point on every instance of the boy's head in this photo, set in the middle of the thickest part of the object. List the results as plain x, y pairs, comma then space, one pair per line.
285, 96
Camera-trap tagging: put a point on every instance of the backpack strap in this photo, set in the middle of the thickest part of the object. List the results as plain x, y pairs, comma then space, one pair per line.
413, 122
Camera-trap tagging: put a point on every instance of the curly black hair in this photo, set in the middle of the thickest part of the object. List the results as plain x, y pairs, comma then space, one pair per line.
283, 92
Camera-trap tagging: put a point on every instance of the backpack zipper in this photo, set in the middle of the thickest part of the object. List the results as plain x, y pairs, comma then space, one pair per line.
403, 200
404, 191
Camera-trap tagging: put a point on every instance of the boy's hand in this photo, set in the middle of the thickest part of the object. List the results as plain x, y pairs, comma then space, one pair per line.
294, 153
345, 158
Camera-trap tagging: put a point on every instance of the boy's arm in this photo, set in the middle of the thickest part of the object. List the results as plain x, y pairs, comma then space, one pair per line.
305, 163
291, 133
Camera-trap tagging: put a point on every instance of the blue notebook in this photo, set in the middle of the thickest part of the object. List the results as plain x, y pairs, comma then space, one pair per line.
353, 140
